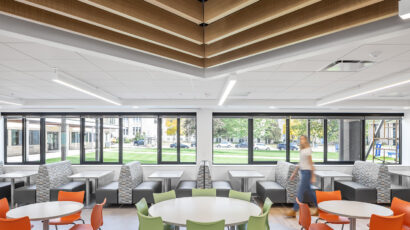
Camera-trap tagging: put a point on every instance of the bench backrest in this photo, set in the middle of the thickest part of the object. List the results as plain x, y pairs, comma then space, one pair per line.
373, 175
51, 176
131, 175
283, 172
207, 174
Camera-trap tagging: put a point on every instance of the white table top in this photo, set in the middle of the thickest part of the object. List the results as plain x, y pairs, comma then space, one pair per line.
167, 174
245, 174
89, 174
401, 173
331, 174
353, 209
46, 210
18, 174
204, 209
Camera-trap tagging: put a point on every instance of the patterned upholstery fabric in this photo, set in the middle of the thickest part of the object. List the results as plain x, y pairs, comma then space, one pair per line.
200, 179
130, 176
373, 175
51, 176
207, 175
283, 172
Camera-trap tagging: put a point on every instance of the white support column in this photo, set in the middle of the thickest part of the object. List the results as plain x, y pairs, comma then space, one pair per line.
204, 138
406, 139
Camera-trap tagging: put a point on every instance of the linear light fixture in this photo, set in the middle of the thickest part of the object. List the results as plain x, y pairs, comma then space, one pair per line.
404, 9
70, 82
227, 90
371, 88
10, 103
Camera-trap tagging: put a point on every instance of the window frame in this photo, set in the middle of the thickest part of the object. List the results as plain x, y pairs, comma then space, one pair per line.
308, 116
100, 116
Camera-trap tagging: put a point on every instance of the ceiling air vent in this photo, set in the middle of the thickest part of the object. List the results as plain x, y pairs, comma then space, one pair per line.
347, 66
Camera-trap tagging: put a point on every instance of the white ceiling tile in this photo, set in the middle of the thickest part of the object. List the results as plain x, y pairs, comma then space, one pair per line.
110, 65
25, 65
71, 65
7, 53
303, 66
44, 52
380, 51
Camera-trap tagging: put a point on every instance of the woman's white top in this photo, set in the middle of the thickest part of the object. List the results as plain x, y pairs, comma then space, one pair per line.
304, 163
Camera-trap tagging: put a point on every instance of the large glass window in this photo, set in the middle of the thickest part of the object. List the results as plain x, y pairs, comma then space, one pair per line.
382, 138
344, 139
169, 139
140, 145
230, 137
33, 140
298, 127
14, 140
111, 136
313, 129
188, 140
53, 140
92, 147
269, 140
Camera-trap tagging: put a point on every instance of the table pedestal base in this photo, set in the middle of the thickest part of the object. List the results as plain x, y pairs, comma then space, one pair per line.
244, 185
166, 185
352, 223
45, 225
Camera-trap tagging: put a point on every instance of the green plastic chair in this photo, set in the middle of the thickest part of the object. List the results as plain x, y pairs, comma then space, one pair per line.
266, 208
246, 196
218, 225
142, 207
204, 192
149, 223
159, 197
258, 222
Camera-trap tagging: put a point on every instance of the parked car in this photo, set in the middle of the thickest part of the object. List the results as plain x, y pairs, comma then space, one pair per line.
139, 142
242, 145
224, 144
293, 146
193, 144
182, 146
261, 146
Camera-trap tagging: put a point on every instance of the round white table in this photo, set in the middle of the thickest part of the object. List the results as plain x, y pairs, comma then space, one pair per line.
46, 211
204, 209
353, 210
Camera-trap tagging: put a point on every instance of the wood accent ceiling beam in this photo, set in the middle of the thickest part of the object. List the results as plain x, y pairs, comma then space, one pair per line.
95, 16
217, 9
150, 15
359, 17
188, 9
251, 16
26, 12
321, 11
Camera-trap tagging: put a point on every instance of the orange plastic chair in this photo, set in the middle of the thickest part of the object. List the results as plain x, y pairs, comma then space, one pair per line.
398, 207
4, 207
69, 196
327, 217
96, 219
386, 222
19, 223
305, 219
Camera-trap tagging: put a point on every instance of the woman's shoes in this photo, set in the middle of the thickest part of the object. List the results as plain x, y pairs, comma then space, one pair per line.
315, 212
291, 213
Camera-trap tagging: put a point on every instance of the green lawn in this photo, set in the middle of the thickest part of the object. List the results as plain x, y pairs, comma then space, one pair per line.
221, 156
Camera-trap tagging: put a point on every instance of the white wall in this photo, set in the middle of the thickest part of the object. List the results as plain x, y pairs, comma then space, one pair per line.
204, 152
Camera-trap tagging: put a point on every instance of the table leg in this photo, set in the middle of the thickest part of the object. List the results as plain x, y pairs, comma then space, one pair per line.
322, 183
245, 185
12, 192
165, 185
352, 223
400, 180
87, 192
28, 181
45, 225
332, 183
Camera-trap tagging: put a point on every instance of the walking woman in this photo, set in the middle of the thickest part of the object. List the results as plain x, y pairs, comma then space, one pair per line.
306, 168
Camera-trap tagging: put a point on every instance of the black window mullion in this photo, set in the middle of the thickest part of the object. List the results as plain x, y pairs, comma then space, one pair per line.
178, 140
6, 139
82, 139
325, 140
159, 140
250, 140
400, 142
308, 130
287, 139
42, 140
101, 134
363, 135
23, 139
120, 141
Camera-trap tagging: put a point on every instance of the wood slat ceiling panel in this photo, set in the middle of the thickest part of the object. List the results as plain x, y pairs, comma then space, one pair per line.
24, 11
217, 9
362, 16
188, 9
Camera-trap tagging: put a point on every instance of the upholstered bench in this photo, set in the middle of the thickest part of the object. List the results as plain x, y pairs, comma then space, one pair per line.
184, 188
25, 195
282, 190
74, 186
222, 187
5, 188
355, 191
146, 190
400, 192
109, 192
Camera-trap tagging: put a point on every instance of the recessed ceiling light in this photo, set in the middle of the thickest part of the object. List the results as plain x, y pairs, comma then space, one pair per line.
406, 107
273, 107
347, 66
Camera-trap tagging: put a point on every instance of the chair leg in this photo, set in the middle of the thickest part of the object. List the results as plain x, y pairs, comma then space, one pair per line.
82, 221
343, 226
56, 227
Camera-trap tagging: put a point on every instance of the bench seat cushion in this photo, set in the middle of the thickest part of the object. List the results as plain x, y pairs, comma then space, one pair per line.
222, 188
272, 190
25, 195
354, 191
109, 192
400, 192
5, 188
74, 186
146, 190
184, 188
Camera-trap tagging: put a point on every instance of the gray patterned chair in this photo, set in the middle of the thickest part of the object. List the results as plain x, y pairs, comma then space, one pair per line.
282, 190
370, 183
5, 186
132, 187
184, 187
53, 178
